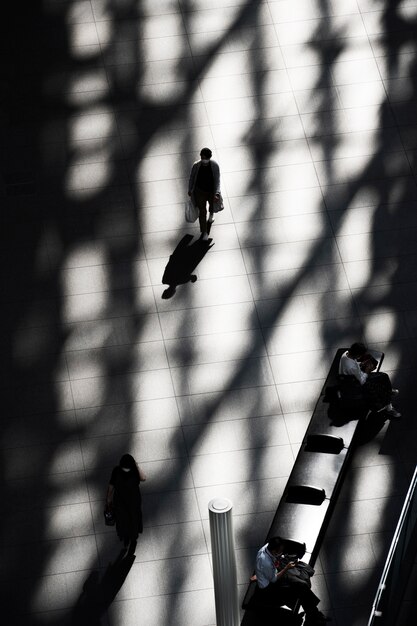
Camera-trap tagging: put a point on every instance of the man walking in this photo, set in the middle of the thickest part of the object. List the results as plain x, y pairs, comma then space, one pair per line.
204, 188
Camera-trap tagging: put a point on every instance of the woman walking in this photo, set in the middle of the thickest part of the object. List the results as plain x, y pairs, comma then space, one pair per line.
125, 500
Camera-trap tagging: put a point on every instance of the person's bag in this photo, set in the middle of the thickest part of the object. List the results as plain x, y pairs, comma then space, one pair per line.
218, 205
367, 360
191, 211
302, 571
109, 518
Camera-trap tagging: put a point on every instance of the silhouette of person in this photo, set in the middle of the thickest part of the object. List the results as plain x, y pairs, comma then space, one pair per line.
204, 188
376, 386
124, 497
182, 262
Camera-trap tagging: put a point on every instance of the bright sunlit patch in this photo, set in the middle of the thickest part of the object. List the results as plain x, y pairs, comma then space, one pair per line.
380, 327
89, 80
161, 93
212, 20
106, 32
407, 10
84, 365
86, 280
158, 48
85, 254
357, 221
161, 72
364, 276
85, 98
96, 122
83, 53
83, 181
347, 169
64, 522
89, 335
82, 34
305, 77
367, 195
90, 392
356, 144
84, 307
78, 11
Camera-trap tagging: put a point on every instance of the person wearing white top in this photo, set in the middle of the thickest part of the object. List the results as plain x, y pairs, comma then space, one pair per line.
377, 388
275, 588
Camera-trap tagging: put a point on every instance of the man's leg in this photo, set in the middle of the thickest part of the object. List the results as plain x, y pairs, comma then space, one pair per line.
211, 209
308, 600
201, 202
378, 390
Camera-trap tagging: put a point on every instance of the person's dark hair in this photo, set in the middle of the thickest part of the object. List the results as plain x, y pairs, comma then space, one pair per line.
357, 349
206, 153
128, 462
275, 543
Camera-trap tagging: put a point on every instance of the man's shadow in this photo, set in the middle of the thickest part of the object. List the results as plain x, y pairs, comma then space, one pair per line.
97, 595
183, 262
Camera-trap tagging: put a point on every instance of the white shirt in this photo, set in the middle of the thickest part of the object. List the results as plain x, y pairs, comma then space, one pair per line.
351, 367
265, 567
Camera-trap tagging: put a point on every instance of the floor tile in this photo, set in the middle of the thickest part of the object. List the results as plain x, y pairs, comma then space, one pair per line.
189, 609
312, 118
347, 554
215, 347
222, 376
149, 445
101, 391
235, 435
222, 318
236, 403
126, 418
222, 468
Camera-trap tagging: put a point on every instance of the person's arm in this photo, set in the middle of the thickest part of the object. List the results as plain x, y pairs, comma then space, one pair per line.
110, 495
216, 178
142, 475
359, 374
266, 571
350, 367
282, 572
191, 181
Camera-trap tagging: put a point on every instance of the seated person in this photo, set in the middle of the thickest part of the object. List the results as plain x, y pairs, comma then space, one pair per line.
376, 386
277, 587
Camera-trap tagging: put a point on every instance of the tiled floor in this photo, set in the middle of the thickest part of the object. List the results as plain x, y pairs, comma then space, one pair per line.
309, 107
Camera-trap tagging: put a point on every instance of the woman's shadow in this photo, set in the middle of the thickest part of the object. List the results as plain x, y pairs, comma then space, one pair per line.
97, 595
183, 262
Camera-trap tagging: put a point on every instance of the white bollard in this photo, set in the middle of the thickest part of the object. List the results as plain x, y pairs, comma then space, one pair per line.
224, 562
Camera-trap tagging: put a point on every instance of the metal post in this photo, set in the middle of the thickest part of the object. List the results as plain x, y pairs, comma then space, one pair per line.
224, 562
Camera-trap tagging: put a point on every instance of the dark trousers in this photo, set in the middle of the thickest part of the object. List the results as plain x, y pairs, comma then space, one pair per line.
278, 594
377, 390
201, 199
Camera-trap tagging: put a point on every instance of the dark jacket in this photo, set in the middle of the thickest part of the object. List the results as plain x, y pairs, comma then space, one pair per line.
216, 176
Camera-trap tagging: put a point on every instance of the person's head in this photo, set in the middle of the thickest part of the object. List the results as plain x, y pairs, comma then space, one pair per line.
205, 154
127, 463
357, 350
276, 546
